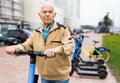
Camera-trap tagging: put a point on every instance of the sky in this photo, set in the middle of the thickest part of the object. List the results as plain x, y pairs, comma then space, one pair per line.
93, 11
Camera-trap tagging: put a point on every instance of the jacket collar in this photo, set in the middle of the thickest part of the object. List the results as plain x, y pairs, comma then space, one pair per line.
52, 29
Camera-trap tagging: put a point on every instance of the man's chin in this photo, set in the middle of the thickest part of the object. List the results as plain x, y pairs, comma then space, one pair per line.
48, 22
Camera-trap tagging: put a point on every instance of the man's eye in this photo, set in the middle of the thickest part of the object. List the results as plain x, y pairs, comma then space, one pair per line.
50, 12
44, 11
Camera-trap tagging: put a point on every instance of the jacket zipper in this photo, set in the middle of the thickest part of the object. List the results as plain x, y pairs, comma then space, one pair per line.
46, 38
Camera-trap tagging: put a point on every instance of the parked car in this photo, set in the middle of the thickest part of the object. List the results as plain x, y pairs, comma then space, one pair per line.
76, 31
20, 34
102, 29
29, 32
7, 40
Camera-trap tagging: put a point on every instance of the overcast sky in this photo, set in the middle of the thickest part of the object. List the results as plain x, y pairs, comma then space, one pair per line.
92, 11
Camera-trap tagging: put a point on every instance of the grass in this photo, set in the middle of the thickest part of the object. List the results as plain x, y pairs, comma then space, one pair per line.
113, 43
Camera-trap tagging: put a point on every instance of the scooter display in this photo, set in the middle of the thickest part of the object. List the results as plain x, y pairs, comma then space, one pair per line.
32, 77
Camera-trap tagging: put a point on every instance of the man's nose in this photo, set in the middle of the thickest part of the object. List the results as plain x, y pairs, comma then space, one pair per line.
47, 13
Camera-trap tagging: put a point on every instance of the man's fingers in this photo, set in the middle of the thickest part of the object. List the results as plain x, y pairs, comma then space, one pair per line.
10, 50
50, 53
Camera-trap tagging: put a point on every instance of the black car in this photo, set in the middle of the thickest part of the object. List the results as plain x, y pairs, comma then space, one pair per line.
20, 34
7, 40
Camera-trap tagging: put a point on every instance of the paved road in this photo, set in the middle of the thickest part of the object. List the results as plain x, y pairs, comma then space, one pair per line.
15, 69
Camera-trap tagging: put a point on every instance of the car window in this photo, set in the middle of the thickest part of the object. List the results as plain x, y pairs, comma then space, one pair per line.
13, 33
28, 32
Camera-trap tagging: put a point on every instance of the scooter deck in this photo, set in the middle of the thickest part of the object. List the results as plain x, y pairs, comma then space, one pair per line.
88, 68
88, 73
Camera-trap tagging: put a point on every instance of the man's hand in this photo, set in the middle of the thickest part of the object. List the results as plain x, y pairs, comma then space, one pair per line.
50, 53
10, 50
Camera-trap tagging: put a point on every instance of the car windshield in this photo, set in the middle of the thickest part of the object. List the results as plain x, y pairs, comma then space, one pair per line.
29, 32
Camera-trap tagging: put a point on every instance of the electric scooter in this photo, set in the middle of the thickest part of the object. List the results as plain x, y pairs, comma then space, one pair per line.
78, 44
32, 77
99, 71
87, 65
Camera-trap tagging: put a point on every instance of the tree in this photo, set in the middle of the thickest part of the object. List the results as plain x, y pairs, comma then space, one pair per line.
107, 20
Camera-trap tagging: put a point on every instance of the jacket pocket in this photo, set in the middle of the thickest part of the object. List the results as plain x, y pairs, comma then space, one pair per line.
57, 42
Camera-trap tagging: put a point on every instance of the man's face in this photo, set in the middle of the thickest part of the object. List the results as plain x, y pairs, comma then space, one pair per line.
47, 14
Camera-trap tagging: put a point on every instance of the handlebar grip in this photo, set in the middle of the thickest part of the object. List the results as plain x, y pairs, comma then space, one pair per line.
30, 52
20, 52
41, 53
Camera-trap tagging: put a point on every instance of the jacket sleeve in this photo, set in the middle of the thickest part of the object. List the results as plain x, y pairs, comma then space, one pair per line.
68, 44
27, 45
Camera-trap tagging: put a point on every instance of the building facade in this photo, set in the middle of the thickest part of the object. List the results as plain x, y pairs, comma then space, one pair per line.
11, 14
71, 11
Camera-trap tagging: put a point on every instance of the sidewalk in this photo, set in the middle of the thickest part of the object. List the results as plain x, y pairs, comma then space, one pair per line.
15, 69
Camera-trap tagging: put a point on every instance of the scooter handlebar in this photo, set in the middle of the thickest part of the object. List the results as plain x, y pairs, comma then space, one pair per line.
30, 53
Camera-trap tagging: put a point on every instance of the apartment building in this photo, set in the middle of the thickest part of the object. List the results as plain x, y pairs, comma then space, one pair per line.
71, 10
11, 14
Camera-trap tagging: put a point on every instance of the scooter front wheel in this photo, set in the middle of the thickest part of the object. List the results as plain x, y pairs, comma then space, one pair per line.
100, 61
102, 73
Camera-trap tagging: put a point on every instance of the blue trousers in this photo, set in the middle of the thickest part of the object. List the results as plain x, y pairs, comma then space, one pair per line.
54, 81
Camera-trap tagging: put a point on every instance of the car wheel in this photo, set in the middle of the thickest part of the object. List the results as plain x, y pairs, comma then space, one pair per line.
14, 42
19, 40
2, 43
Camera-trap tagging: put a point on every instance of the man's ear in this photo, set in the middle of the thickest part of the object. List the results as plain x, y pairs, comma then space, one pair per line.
39, 14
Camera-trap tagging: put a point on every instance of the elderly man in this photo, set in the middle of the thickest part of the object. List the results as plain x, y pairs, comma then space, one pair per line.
56, 42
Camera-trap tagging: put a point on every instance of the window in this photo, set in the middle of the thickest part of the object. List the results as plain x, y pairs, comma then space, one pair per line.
6, 11
4, 27
6, 3
12, 26
0, 11
17, 6
19, 1
17, 13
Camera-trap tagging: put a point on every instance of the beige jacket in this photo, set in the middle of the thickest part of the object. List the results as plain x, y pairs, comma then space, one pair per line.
59, 67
